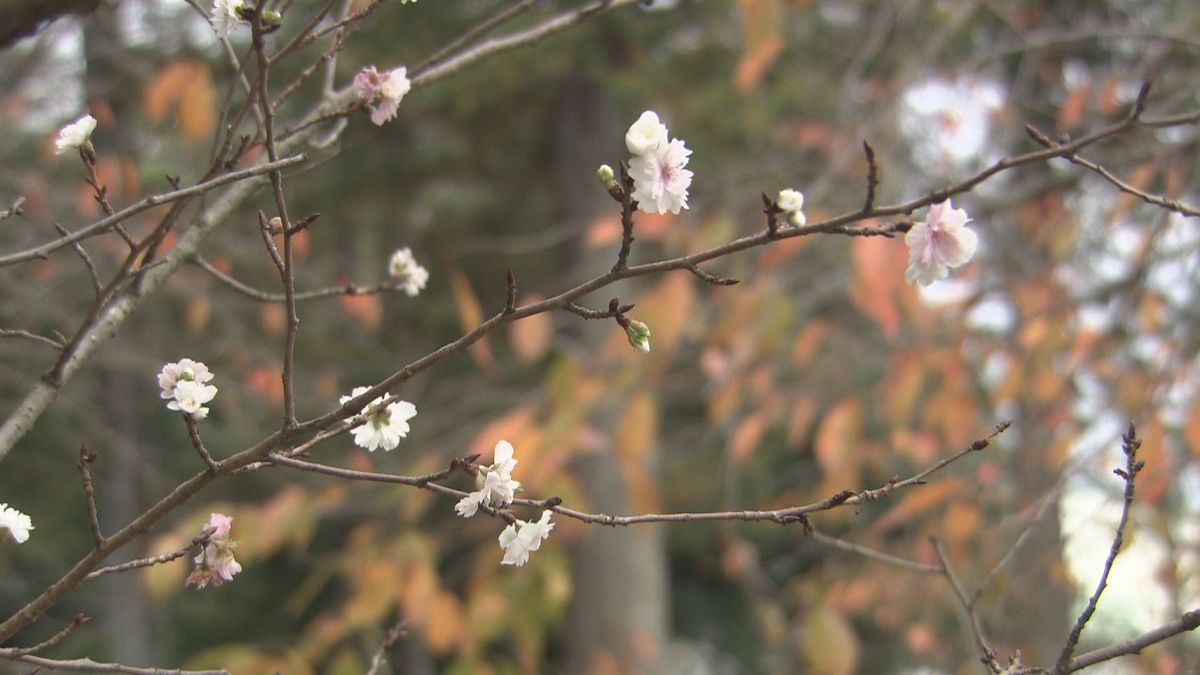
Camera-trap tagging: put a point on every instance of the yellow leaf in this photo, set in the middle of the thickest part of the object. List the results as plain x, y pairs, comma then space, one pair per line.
637, 432
444, 624
163, 581
828, 643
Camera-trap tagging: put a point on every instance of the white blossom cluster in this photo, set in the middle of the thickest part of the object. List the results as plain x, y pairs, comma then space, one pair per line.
660, 183
185, 387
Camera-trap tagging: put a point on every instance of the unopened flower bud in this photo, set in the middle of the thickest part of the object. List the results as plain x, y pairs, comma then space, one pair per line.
639, 336
271, 18
607, 177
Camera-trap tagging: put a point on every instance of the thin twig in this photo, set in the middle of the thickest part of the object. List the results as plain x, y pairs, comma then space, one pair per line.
90, 666
198, 444
301, 296
87, 259
987, 656
1047, 501
711, 278
1187, 622
200, 541
510, 293
26, 335
795, 514
872, 177
879, 556
482, 28
586, 313
14, 209
148, 203
394, 633
628, 208
1129, 445
58, 637
86, 457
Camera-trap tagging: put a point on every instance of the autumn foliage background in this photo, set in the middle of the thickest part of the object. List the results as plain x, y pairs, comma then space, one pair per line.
820, 372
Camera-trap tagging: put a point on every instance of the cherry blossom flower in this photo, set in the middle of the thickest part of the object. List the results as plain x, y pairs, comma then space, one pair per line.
215, 563
382, 91
638, 334
184, 383
660, 182
792, 203
190, 397
18, 524
522, 538
225, 16
495, 483
386, 423
404, 268
646, 135
75, 135
182, 370
939, 243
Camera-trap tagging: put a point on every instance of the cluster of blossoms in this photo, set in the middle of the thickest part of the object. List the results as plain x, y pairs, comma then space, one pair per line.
660, 182
185, 387
497, 489
407, 272
77, 134
495, 483
939, 243
386, 421
382, 91
792, 203
523, 537
215, 563
18, 524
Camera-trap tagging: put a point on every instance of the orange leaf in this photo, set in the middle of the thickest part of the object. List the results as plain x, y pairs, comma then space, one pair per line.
1071, 113
266, 382
366, 310
762, 34
878, 275
272, 318
530, 337
470, 315
184, 87
746, 436
836, 445
919, 501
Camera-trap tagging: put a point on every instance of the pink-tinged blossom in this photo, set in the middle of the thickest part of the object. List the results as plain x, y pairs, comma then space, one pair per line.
495, 483
382, 91
522, 538
182, 370
18, 524
386, 423
215, 563
939, 243
75, 135
660, 182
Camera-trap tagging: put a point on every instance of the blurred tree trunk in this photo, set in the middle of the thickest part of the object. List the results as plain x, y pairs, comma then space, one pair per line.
125, 612
619, 619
